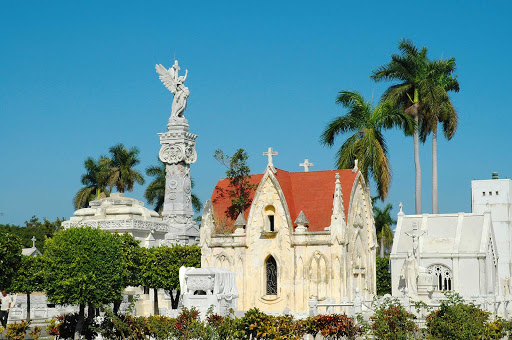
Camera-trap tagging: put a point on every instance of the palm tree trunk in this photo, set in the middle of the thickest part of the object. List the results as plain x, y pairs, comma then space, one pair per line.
382, 246
435, 202
417, 163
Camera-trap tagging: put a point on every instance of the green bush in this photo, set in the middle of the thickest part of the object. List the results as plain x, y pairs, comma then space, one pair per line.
383, 276
17, 331
391, 322
457, 320
332, 326
64, 325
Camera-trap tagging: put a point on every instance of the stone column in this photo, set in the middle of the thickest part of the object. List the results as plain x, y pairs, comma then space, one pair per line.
178, 152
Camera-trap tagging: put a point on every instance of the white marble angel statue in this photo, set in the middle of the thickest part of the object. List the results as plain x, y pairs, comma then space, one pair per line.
175, 84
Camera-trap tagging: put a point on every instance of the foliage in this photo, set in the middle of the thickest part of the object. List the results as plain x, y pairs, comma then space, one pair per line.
33, 228
238, 175
83, 266
155, 192
17, 330
63, 326
457, 320
383, 276
133, 259
161, 269
367, 143
391, 322
10, 258
121, 172
383, 223
332, 326
95, 181
29, 277
35, 333
259, 325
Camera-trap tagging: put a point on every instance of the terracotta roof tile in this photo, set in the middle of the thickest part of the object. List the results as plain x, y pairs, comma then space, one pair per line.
312, 192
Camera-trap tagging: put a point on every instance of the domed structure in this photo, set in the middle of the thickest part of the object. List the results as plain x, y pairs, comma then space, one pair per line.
122, 214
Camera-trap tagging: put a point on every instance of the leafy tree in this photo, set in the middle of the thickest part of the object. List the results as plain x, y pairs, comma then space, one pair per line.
383, 276
33, 228
95, 180
383, 223
238, 175
438, 108
10, 258
410, 69
122, 174
163, 265
367, 143
83, 266
155, 192
29, 278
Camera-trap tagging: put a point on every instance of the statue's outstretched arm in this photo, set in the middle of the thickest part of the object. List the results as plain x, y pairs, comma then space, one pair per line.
185, 76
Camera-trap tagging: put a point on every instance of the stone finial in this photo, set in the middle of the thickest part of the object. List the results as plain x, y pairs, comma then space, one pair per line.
301, 222
401, 212
33, 239
355, 166
337, 207
240, 221
306, 165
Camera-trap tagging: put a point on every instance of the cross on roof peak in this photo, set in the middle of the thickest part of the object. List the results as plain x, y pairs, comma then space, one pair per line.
270, 153
306, 165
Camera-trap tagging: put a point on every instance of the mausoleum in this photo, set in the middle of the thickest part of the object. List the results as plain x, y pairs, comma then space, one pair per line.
304, 234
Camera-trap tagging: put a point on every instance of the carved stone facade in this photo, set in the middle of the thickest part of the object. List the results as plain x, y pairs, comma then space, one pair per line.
328, 258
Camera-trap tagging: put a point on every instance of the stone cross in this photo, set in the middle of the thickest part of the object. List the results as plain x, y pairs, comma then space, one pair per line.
270, 153
306, 165
401, 207
33, 239
415, 235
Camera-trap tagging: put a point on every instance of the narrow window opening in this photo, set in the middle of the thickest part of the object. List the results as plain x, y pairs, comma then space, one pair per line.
271, 273
490, 193
483, 193
496, 193
271, 222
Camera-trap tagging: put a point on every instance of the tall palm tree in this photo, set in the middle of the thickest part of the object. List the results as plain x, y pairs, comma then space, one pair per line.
122, 173
383, 223
155, 192
367, 143
410, 69
438, 108
95, 180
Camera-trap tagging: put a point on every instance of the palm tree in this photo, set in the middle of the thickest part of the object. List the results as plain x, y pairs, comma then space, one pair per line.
367, 143
411, 70
122, 173
95, 180
155, 192
383, 223
439, 109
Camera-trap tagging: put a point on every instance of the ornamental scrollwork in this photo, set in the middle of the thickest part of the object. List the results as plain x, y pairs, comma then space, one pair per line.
175, 153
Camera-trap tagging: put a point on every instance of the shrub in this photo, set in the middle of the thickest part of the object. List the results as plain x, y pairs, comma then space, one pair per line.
456, 320
17, 331
64, 327
332, 326
383, 276
36, 333
391, 321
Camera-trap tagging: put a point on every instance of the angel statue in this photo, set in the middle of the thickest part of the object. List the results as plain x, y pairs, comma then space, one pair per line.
175, 84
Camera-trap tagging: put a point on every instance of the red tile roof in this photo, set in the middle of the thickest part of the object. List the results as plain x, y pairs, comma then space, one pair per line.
312, 192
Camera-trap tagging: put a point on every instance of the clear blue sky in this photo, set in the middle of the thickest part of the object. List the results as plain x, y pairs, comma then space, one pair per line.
78, 77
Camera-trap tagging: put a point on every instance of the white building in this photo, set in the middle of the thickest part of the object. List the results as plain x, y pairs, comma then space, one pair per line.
455, 252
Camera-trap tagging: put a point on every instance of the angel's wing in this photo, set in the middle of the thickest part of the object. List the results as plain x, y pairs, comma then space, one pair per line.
166, 77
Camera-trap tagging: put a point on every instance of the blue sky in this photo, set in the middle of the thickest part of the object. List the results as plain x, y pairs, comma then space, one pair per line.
78, 77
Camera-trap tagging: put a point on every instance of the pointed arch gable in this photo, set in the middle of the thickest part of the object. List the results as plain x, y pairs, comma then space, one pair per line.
269, 175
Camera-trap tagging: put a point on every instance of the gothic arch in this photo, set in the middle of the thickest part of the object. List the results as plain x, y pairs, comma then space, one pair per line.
443, 276
318, 275
271, 276
223, 260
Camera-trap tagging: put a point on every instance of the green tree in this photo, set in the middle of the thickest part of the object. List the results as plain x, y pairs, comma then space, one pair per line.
238, 175
383, 276
438, 108
122, 173
383, 223
95, 182
10, 258
367, 143
29, 278
410, 69
33, 228
162, 269
155, 192
83, 266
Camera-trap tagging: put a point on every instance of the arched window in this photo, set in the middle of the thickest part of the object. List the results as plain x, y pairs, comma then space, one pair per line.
271, 272
443, 277
270, 212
